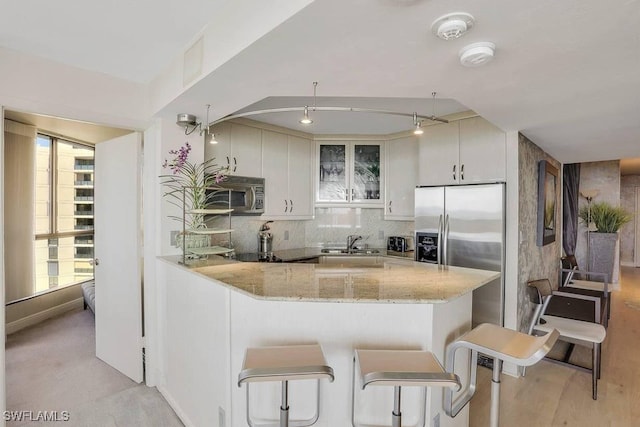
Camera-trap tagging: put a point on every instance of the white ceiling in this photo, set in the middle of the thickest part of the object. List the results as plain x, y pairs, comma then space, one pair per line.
132, 40
566, 74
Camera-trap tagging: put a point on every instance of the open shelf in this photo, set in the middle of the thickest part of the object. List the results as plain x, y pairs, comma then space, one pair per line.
208, 230
209, 250
207, 244
210, 211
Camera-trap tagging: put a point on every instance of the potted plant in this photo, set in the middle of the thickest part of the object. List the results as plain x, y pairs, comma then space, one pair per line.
607, 221
185, 188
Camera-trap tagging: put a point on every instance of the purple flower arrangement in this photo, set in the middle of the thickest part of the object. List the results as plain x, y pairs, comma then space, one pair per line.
187, 183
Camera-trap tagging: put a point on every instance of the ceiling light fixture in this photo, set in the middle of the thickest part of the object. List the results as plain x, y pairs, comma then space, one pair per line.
417, 119
418, 124
452, 25
186, 120
477, 54
305, 120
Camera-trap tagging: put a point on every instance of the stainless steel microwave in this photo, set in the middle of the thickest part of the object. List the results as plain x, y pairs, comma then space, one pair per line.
246, 195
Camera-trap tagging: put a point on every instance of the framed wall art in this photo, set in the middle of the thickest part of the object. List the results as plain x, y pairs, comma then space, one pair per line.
547, 191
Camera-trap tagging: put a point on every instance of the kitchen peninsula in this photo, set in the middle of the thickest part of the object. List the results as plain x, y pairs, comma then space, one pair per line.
213, 313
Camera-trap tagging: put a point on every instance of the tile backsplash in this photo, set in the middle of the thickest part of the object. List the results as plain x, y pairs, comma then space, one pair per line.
330, 227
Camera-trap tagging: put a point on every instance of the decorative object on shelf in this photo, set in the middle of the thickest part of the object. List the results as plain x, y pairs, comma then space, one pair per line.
607, 221
195, 177
547, 190
192, 187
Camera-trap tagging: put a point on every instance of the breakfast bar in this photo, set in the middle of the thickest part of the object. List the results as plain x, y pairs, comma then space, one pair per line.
214, 312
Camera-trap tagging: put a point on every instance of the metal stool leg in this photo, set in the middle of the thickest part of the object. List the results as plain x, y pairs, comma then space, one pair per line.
396, 415
595, 373
284, 405
495, 393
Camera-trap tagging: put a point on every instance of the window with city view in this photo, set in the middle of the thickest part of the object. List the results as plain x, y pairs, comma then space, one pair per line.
63, 213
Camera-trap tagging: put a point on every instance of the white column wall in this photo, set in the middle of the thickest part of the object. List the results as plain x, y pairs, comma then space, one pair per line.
511, 243
3, 398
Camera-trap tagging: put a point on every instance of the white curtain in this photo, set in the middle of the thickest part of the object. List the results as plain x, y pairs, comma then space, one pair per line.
19, 188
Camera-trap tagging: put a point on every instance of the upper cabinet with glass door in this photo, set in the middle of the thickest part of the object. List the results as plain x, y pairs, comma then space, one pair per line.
349, 173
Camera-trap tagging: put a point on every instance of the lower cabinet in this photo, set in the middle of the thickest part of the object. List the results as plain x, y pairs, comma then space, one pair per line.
401, 178
287, 161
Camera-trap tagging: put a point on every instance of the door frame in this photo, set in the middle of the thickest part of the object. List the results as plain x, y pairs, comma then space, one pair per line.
3, 399
636, 251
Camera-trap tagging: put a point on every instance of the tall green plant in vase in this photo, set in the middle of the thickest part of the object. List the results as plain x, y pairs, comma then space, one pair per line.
602, 242
186, 185
607, 218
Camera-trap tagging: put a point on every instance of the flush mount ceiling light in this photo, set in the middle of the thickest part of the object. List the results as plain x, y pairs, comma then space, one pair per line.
452, 25
477, 54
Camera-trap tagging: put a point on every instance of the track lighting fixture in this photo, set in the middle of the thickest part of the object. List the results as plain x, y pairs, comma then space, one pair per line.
305, 120
189, 120
418, 124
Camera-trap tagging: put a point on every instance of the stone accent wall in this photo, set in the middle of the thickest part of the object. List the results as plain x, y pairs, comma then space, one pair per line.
534, 262
628, 185
604, 177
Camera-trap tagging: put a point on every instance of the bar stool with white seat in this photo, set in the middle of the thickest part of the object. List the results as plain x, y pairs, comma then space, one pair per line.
399, 368
501, 344
284, 364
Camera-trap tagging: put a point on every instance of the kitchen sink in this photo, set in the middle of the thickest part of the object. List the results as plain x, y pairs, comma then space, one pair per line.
350, 251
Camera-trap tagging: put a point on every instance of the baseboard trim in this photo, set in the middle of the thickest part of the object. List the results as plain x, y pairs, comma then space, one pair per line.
627, 264
41, 316
174, 405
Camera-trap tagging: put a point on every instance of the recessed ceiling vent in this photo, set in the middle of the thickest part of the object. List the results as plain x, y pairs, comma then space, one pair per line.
452, 25
477, 54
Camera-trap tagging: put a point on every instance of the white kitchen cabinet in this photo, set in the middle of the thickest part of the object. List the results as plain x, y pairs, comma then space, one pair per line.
239, 147
349, 173
483, 152
468, 151
401, 178
287, 161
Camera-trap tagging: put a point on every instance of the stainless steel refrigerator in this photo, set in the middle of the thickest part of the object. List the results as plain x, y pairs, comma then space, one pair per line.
465, 226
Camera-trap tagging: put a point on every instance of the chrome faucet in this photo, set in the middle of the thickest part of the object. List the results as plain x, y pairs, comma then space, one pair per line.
351, 240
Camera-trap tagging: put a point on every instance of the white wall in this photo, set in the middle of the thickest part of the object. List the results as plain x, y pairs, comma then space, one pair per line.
234, 27
37, 85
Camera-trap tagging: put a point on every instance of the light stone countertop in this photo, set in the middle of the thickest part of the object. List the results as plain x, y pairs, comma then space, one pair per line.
375, 280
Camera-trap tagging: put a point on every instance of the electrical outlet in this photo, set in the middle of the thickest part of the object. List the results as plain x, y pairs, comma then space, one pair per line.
286, 234
381, 234
174, 236
221, 417
436, 421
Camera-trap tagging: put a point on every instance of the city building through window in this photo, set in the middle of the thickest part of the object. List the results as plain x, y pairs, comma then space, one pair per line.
63, 220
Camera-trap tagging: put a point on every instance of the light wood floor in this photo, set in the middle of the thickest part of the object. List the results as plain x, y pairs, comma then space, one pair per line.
553, 395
